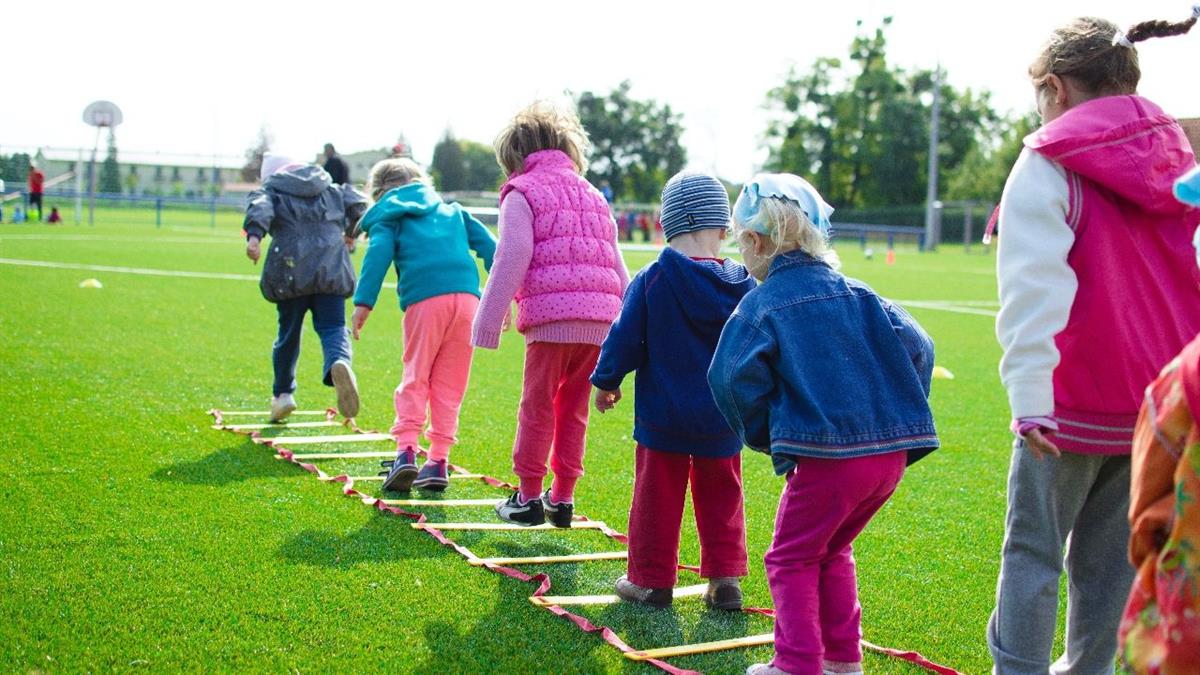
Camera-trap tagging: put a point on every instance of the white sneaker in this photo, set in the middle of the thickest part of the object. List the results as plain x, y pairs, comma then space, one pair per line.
346, 386
282, 406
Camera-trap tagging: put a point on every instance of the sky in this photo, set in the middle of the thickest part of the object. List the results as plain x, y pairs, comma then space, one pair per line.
198, 80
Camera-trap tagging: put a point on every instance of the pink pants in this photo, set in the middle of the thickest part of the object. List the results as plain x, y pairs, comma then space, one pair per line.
659, 491
554, 410
437, 365
810, 566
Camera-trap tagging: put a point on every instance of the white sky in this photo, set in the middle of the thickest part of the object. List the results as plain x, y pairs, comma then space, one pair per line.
201, 77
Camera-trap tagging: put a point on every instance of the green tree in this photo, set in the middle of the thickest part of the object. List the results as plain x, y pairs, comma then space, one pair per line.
636, 143
984, 170
110, 170
483, 172
449, 167
254, 155
862, 136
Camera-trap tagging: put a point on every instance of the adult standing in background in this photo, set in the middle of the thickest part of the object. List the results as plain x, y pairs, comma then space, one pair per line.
335, 166
36, 181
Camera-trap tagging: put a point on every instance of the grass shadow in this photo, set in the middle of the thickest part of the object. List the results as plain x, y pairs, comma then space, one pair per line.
224, 467
384, 538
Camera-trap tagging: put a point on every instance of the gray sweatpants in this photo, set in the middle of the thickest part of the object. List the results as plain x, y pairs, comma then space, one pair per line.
1086, 497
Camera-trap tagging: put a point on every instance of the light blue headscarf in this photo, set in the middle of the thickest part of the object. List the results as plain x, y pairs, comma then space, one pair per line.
1187, 189
782, 186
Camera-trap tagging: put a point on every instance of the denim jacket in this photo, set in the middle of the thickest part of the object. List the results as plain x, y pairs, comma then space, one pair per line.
814, 364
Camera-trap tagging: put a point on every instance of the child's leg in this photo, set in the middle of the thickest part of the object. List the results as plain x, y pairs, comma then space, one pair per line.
659, 489
1044, 499
1097, 564
329, 321
570, 421
449, 376
720, 515
544, 365
824, 502
286, 351
424, 325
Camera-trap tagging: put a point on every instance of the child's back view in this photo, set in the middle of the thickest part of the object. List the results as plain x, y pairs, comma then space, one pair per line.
311, 222
668, 329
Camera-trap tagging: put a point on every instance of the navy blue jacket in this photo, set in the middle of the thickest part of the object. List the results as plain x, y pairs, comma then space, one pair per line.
814, 364
668, 328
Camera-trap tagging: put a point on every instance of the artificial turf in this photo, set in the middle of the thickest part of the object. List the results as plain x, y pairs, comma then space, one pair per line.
132, 535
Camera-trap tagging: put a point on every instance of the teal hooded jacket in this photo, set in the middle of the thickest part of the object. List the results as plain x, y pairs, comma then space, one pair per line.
427, 240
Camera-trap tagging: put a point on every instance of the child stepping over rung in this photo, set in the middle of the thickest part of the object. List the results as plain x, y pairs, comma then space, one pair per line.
667, 331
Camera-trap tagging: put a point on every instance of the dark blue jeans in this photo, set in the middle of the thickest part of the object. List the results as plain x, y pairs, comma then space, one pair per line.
329, 321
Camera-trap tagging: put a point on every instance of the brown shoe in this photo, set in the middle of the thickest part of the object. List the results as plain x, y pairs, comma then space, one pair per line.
655, 597
724, 593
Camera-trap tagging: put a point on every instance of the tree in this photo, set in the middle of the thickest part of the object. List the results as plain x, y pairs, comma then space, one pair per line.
110, 171
982, 174
449, 168
636, 144
862, 136
483, 172
254, 155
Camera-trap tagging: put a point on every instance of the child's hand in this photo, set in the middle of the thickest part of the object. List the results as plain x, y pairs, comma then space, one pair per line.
252, 249
506, 325
350, 243
358, 319
1041, 446
607, 400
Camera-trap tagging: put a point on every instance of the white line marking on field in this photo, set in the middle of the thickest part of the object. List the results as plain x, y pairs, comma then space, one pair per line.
144, 271
233, 239
946, 307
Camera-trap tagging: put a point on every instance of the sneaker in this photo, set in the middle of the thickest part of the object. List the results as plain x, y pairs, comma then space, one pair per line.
527, 513
282, 406
559, 513
404, 470
765, 669
841, 668
346, 387
432, 476
655, 597
724, 593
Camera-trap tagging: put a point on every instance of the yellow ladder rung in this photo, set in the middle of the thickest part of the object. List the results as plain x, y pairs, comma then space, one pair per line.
547, 559
460, 476
442, 502
293, 425
702, 647
267, 413
582, 525
546, 600
343, 455
340, 438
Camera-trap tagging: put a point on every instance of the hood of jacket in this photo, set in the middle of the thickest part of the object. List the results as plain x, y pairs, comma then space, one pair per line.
709, 296
1125, 144
304, 181
414, 199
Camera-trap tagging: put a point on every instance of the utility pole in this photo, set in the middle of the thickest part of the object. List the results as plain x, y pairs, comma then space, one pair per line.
931, 196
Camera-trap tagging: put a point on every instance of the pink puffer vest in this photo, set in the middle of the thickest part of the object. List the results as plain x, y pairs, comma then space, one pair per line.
573, 273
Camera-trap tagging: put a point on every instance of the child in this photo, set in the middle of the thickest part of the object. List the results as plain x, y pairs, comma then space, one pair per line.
833, 382
668, 328
311, 222
427, 240
1097, 293
558, 256
1160, 631
54, 215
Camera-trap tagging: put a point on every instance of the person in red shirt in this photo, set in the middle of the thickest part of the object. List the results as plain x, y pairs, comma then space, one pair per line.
36, 179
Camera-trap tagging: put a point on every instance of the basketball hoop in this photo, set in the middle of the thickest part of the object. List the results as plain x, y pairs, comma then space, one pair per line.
102, 114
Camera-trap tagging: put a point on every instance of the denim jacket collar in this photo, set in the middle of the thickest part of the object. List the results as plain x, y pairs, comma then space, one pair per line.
794, 257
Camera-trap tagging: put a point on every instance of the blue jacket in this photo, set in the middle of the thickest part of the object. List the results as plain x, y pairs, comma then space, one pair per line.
427, 240
814, 364
668, 328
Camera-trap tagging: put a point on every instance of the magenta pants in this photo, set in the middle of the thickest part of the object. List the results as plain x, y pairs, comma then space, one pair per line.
659, 492
437, 366
552, 421
810, 566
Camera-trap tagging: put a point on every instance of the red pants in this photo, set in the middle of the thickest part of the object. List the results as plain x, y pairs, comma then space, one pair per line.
659, 489
554, 409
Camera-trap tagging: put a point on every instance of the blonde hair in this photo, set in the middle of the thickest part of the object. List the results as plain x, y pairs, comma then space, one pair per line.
542, 126
788, 228
393, 173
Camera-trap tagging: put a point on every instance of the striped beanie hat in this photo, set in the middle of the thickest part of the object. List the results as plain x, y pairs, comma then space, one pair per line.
693, 201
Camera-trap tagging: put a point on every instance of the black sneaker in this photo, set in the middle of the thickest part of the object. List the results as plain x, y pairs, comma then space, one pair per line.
432, 476
559, 513
528, 513
655, 597
403, 471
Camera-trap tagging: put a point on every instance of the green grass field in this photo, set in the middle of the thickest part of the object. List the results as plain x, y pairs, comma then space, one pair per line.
134, 535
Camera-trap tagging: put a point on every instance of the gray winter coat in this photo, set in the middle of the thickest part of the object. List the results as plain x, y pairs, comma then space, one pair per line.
307, 215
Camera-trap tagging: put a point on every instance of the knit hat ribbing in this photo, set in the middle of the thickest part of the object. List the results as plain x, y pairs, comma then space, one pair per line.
693, 201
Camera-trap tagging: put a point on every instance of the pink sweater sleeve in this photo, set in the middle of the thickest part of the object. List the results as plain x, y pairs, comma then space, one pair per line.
514, 251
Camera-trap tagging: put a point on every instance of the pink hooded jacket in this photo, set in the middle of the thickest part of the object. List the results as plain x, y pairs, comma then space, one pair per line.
1138, 297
